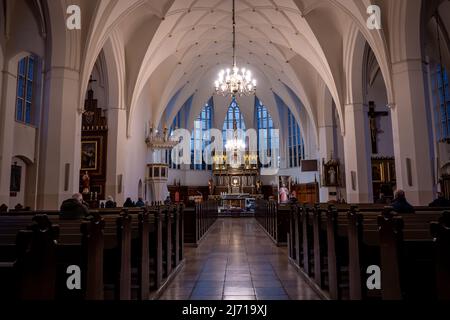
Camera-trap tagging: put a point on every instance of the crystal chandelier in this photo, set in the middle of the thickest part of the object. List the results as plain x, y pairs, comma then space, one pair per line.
235, 144
234, 81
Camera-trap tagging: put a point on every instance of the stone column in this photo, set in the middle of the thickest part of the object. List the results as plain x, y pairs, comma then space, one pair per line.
358, 174
326, 147
410, 124
59, 169
7, 122
117, 126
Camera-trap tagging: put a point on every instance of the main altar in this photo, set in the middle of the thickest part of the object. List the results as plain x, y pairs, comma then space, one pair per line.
240, 179
236, 182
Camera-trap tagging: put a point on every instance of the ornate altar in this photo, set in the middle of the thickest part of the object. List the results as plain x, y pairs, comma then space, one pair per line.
383, 177
235, 180
94, 143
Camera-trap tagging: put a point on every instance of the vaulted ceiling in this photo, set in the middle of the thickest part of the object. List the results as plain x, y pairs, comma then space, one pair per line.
156, 48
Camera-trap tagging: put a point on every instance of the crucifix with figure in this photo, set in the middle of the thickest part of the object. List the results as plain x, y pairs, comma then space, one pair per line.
374, 131
90, 90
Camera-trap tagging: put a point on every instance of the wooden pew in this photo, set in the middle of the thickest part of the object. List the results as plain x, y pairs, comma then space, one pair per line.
407, 260
344, 244
83, 247
149, 245
198, 220
441, 238
35, 266
44, 241
274, 219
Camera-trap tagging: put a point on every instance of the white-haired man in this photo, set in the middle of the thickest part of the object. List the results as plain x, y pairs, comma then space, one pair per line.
74, 208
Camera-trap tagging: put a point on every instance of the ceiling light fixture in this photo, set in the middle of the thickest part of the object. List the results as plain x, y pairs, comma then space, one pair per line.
234, 81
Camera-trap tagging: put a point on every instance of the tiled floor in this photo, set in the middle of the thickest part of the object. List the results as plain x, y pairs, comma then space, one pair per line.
238, 261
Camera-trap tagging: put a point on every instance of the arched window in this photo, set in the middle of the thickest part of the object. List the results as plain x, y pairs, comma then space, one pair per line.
233, 114
26, 73
264, 122
296, 146
176, 124
201, 136
441, 102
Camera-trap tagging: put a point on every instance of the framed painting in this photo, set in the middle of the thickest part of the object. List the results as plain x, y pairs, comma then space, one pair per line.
89, 155
16, 177
331, 174
377, 172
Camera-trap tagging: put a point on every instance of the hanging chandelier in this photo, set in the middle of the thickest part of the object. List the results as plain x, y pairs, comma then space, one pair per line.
234, 81
236, 144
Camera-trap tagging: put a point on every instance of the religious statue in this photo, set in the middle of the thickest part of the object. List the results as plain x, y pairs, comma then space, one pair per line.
284, 194
374, 131
86, 183
211, 186
258, 186
166, 133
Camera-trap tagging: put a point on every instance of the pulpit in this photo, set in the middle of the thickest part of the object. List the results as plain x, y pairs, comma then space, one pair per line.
157, 168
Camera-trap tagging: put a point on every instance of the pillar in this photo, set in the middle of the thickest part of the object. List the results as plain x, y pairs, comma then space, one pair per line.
7, 121
326, 144
410, 124
59, 169
358, 175
326, 149
115, 167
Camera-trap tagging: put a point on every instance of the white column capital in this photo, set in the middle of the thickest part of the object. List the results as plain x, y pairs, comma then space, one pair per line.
56, 72
408, 66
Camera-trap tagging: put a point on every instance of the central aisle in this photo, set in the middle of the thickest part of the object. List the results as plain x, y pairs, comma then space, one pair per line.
238, 261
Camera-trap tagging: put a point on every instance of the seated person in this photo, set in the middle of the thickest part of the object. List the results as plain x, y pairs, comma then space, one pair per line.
440, 201
167, 201
400, 204
128, 203
140, 203
74, 208
110, 203
3, 208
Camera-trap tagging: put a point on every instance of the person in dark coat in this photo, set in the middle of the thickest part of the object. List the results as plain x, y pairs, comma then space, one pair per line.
400, 204
74, 208
128, 203
168, 201
4, 208
140, 203
110, 204
440, 201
